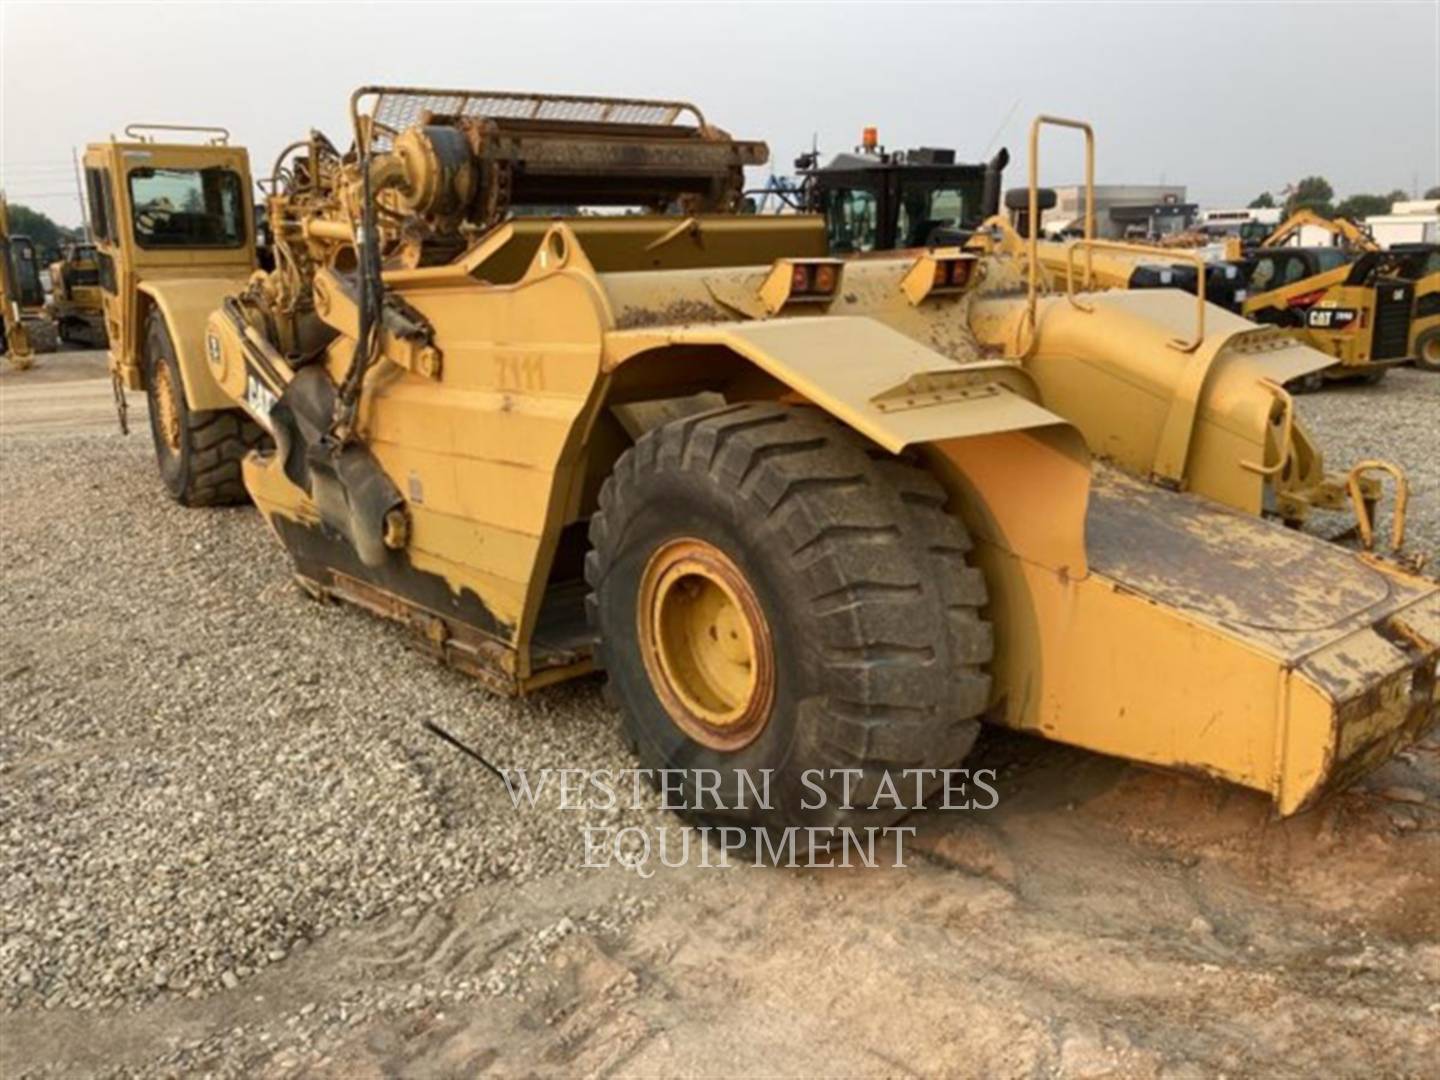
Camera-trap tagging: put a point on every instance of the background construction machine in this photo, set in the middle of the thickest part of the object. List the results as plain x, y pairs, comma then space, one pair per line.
1347, 307
13, 334
1345, 298
808, 513
76, 304
1349, 304
878, 201
1340, 298
174, 233
26, 331
1420, 264
874, 200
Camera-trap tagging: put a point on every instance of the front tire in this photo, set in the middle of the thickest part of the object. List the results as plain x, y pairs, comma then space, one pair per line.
772, 592
198, 452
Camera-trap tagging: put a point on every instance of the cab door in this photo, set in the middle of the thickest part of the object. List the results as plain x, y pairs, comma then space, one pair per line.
117, 287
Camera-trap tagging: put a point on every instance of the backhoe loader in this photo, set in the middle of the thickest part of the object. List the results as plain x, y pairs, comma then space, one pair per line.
807, 513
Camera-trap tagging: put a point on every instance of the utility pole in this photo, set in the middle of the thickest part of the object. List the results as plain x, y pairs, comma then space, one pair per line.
80, 194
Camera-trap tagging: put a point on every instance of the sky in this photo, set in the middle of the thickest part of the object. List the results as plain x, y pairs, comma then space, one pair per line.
1229, 99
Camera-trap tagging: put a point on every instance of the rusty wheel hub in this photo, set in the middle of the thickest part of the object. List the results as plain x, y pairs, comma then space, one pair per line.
167, 409
706, 644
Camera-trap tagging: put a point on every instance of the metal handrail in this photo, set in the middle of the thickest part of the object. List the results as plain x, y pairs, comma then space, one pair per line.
1033, 290
1183, 344
1362, 513
1287, 430
220, 135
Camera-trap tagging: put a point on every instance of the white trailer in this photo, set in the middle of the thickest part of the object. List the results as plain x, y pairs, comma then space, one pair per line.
1412, 222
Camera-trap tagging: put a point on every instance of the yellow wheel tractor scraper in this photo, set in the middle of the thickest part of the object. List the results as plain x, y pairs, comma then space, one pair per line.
806, 512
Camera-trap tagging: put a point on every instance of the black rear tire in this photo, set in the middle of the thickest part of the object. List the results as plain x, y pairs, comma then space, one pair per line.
873, 610
1427, 350
198, 452
1307, 384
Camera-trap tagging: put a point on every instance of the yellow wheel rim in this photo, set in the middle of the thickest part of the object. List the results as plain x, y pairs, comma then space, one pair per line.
706, 644
1430, 351
167, 410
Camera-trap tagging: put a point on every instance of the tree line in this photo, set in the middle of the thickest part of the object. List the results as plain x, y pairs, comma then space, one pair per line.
47, 236
1315, 193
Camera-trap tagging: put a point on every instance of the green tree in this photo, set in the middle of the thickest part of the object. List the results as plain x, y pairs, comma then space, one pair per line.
46, 235
1263, 201
1312, 193
1357, 207
1433, 193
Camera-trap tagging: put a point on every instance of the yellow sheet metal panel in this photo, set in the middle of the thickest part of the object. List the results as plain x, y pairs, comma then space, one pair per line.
186, 303
842, 363
1088, 662
496, 566
494, 443
1022, 491
1207, 639
1113, 372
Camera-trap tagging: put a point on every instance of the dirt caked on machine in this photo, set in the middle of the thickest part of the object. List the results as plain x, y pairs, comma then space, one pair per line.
806, 512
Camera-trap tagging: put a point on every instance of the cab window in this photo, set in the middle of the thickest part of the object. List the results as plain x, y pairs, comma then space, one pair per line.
25, 272
1263, 276
1295, 270
102, 203
1330, 259
925, 208
851, 216
187, 208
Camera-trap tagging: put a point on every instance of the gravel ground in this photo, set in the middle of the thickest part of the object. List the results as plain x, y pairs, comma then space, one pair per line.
1398, 420
246, 769
206, 778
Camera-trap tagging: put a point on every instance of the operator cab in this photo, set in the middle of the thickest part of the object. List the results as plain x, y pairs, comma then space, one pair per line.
874, 200
1414, 261
25, 272
1278, 267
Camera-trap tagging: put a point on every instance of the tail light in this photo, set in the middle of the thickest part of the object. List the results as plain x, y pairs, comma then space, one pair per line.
794, 280
941, 273
1306, 299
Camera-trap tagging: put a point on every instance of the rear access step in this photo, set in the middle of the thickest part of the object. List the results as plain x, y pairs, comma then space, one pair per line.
1211, 640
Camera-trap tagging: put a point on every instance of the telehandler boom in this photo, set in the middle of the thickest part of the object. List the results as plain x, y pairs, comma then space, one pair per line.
807, 513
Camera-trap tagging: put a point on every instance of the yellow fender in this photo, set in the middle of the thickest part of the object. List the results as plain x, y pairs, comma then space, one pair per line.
186, 305
979, 424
